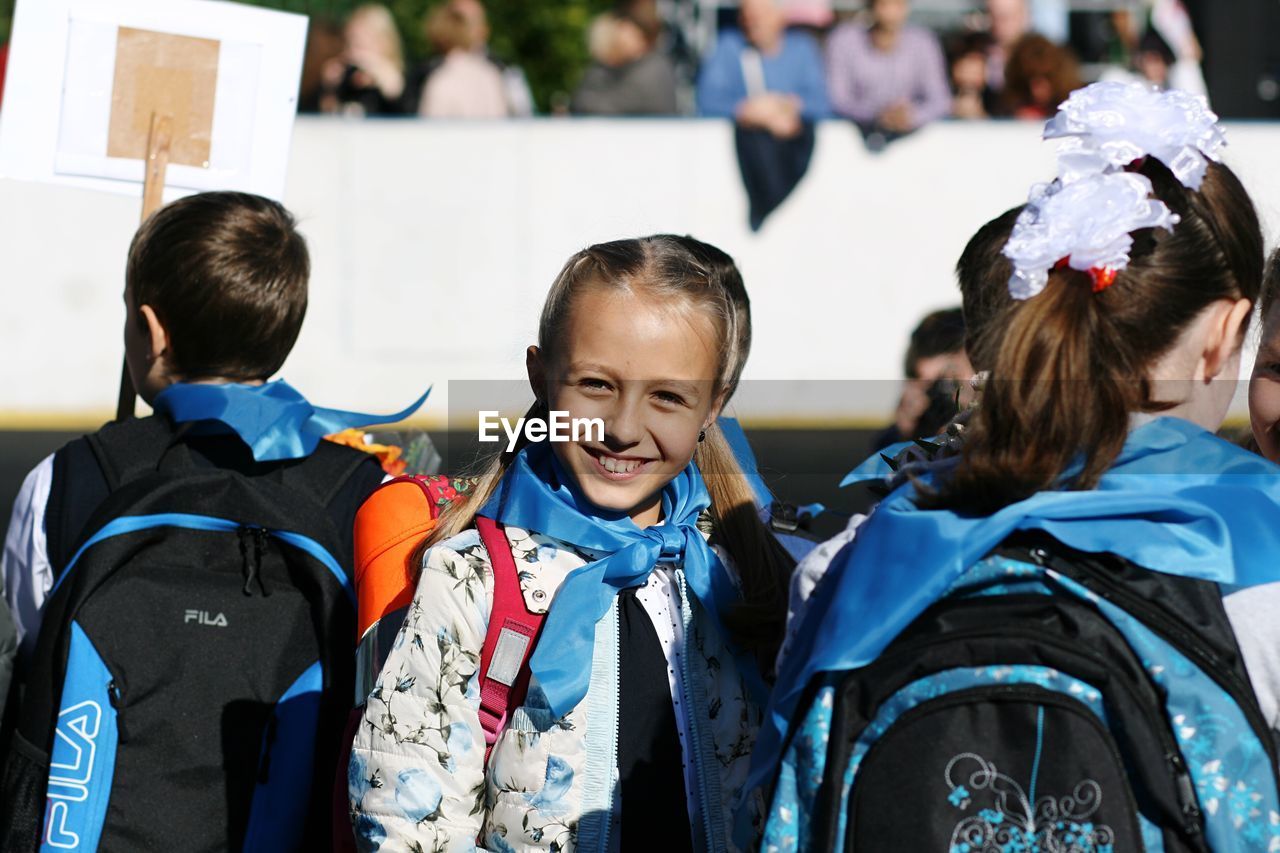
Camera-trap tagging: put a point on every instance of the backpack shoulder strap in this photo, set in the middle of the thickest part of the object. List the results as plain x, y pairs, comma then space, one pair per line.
88, 469
126, 450
77, 488
509, 643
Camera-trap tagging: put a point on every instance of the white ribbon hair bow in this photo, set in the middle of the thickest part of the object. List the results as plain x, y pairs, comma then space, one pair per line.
1109, 125
1088, 222
1085, 218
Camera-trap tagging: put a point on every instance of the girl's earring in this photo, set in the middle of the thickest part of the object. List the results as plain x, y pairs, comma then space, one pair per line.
702, 436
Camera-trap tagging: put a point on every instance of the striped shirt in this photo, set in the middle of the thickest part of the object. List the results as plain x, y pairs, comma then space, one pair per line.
863, 81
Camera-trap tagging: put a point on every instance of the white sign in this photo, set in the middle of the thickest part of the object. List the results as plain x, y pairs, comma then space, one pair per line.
85, 77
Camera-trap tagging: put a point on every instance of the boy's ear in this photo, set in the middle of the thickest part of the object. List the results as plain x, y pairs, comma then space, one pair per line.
534, 366
1226, 332
157, 334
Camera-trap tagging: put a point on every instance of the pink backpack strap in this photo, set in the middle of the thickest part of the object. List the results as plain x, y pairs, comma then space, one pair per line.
509, 643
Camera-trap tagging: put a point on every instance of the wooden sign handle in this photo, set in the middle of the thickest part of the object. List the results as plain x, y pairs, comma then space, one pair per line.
159, 145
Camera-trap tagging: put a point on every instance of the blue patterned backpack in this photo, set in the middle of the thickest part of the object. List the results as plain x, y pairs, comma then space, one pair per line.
1052, 701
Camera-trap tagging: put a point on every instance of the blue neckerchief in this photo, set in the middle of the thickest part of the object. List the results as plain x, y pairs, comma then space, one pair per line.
273, 419
1178, 500
876, 466
537, 494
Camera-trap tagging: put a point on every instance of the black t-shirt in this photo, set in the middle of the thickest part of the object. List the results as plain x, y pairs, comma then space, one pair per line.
655, 811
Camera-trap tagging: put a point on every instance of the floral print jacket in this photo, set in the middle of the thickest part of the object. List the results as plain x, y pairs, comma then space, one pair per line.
417, 779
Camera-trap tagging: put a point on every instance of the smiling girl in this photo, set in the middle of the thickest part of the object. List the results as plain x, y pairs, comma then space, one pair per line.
661, 589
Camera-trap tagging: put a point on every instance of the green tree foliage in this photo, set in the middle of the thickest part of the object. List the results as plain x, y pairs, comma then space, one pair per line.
547, 38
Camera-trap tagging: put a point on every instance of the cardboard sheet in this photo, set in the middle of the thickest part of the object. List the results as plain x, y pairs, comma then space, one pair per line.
168, 74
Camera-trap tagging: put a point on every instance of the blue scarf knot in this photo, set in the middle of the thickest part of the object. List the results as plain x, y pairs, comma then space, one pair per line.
273, 419
536, 494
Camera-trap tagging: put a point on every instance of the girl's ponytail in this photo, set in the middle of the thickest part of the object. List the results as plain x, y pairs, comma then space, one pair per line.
1060, 391
1072, 361
764, 566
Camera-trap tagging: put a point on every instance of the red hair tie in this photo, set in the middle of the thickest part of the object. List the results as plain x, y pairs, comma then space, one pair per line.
1103, 277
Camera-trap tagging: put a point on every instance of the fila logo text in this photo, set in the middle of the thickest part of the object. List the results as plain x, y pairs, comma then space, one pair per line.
202, 617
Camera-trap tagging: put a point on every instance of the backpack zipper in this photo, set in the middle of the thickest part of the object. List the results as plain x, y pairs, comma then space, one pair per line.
695, 734
134, 523
1184, 639
116, 697
614, 783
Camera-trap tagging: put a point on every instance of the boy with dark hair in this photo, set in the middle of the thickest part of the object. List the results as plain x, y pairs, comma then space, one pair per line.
983, 274
940, 333
220, 281
934, 363
196, 560
215, 292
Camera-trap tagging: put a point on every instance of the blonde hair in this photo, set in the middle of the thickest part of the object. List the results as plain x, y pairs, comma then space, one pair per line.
672, 268
378, 18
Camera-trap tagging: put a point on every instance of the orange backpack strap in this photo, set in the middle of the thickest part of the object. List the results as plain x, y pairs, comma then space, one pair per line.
510, 640
390, 526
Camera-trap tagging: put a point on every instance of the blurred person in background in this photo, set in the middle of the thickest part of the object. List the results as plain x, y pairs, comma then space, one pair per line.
890, 76
1007, 22
1170, 19
1039, 76
1154, 59
628, 74
325, 43
935, 366
458, 31
465, 84
764, 76
1151, 62
972, 95
367, 78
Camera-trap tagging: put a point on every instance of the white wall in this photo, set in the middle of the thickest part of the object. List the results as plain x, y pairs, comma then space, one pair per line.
434, 243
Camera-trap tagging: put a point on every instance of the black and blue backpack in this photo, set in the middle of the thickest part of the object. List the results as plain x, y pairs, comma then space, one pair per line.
193, 668
1052, 700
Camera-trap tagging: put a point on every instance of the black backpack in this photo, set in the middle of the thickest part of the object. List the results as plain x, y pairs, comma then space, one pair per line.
1052, 700
193, 668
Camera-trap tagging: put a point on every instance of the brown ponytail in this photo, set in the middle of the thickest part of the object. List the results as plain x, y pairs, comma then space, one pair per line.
1071, 364
764, 566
